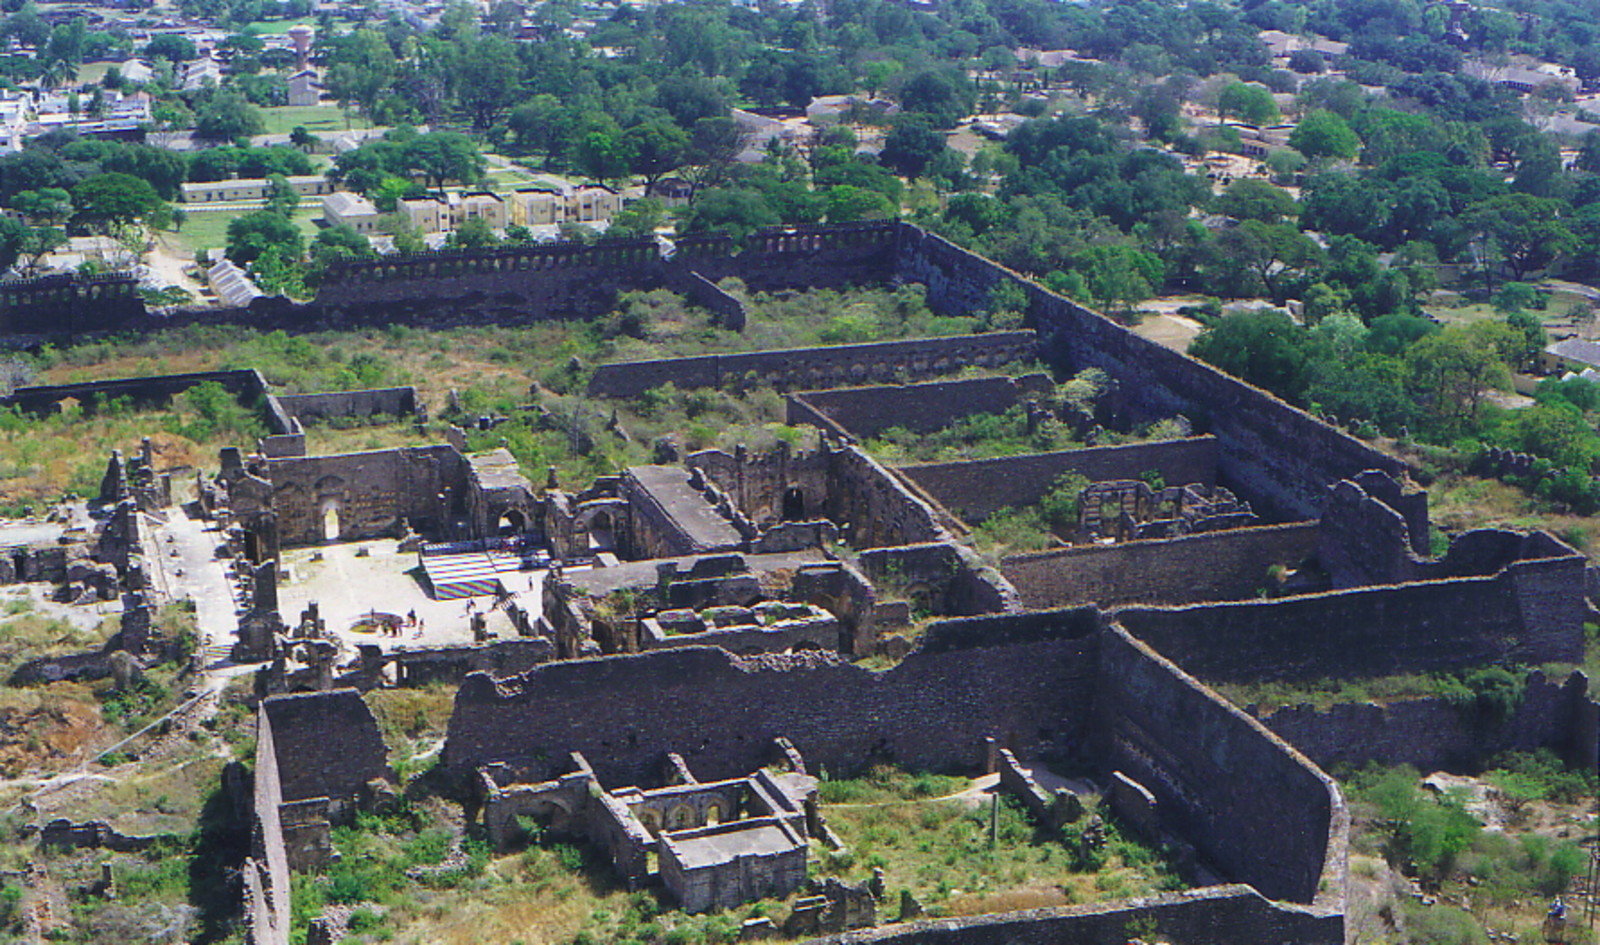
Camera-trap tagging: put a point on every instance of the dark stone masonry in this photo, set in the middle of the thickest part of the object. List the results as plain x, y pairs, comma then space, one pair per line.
1262, 544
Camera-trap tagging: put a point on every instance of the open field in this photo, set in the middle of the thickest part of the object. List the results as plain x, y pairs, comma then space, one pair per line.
317, 119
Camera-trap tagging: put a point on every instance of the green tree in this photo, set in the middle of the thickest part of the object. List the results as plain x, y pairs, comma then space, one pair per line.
1323, 134
443, 156
106, 202
474, 233
1454, 368
911, 146
1528, 232
487, 75
252, 235
1252, 199
654, 150
847, 203
1248, 103
48, 205
1264, 347
281, 196
735, 211
228, 116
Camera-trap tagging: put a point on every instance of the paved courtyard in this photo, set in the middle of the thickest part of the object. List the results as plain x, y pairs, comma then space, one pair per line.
353, 579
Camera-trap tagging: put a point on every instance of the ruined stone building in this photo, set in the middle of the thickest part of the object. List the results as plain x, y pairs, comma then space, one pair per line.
730, 597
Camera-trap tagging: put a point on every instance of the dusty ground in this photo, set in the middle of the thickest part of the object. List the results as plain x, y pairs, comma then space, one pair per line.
347, 585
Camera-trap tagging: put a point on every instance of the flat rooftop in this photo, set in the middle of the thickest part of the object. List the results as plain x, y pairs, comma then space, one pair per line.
600, 582
737, 841
686, 507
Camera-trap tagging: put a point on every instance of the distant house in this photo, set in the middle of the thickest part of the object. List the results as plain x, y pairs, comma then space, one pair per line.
196, 74
1280, 44
432, 215
825, 108
231, 285
342, 208
588, 203
251, 188
1572, 356
304, 89
136, 70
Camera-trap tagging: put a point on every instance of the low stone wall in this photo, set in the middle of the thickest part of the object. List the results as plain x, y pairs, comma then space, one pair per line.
796, 368
919, 408
1532, 613
389, 401
1212, 566
975, 489
1433, 733
95, 835
1025, 679
1237, 915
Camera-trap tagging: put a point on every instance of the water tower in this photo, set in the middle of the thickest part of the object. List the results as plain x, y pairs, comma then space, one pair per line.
300, 36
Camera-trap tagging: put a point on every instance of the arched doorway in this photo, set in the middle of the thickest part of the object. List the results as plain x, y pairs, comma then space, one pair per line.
513, 522
794, 504
602, 534
330, 520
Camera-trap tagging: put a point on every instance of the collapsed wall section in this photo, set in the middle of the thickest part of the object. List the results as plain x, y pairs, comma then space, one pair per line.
976, 489
1249, 803
1025, 680
1531, 613
1190, 569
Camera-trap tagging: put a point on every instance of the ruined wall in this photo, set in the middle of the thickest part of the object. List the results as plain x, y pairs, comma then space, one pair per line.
1211, 566
880, 362
389, 401
1274, 455
920, 408
1249, 803
976, 488
333, 740
874, 508
266, 870
1026, 680
1532, 613
247, 385
1237, 915
942, 578
1432, 734
369, 492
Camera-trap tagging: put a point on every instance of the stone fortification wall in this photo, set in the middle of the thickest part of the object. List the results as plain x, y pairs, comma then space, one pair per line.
389, 401
920, 408
1531, 613
369, 492
266, 870
827, 256
975, 489
146, 391
1248, 802
67, 305
1026, 680
1237, 915
944, 578
514, 285
1274, 455
1211, 566
1432, 734
333, 740
873, 507
790, 369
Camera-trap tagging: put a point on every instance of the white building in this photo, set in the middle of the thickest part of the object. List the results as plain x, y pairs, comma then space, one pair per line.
352, 210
